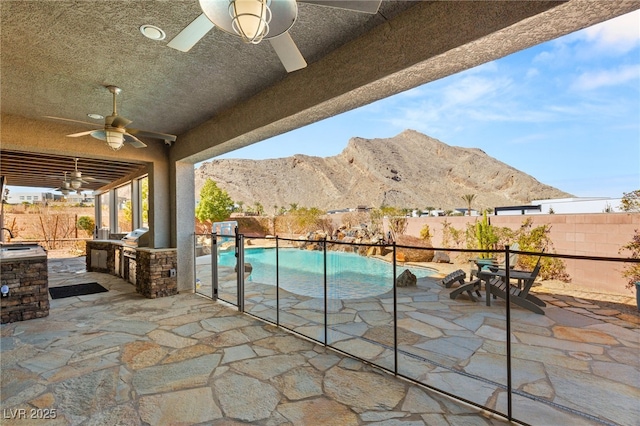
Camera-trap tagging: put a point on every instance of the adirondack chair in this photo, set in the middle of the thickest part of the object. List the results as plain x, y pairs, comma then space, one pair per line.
513, 260
459, 276
518, 295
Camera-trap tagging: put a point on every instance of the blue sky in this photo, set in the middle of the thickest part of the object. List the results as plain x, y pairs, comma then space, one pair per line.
566, 112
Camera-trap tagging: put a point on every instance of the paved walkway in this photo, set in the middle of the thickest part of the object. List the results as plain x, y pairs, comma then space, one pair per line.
117, 358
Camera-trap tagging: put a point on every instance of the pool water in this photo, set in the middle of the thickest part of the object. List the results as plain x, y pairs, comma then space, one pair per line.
349, 276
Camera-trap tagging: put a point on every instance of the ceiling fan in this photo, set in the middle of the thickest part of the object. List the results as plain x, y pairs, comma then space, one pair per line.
115, 132
65, 188
76, 181
255, 20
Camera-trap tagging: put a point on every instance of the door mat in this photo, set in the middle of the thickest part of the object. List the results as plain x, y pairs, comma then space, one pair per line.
76, 290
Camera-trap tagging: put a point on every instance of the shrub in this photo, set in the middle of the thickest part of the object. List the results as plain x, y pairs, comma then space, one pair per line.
86, 223
632, 272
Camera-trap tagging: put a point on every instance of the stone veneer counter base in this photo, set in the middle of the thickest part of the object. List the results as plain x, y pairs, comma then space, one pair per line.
28, 282
156, 272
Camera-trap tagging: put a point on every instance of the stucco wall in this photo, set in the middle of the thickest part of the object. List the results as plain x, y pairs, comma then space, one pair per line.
601, 234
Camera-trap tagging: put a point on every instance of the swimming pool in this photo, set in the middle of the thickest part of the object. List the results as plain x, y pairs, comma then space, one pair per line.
349, 276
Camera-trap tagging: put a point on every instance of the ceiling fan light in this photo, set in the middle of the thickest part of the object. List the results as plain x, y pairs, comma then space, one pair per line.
75, 184
250, 19
115, 140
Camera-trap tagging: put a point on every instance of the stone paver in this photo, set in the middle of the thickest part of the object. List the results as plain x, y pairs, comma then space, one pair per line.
119, 358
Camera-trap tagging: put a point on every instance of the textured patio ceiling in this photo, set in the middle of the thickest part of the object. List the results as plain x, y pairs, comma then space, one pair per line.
57, 56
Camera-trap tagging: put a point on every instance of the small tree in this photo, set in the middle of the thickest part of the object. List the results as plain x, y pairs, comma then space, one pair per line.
632, 272
86, 223
259, 208
469, 199
215, 204
630, 201
485, 236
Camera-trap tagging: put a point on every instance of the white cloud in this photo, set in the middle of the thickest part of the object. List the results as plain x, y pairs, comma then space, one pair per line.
543, 57
532, 72
472, 88
618, 35
591, 80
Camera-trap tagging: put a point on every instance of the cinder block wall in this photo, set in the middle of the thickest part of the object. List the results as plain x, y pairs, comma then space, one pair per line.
598, 234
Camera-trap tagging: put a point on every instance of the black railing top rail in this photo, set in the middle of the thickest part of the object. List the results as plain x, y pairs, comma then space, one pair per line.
458, 250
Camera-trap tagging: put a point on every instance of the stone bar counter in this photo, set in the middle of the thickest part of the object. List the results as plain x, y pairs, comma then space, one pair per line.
25, 275
156, 272
104, 256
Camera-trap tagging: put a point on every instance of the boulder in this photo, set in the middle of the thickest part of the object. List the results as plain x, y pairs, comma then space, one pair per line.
424, 252
375, 251
406, 279
247, 268
441, 257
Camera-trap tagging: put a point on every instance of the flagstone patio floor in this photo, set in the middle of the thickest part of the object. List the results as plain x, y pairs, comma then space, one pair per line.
118, 358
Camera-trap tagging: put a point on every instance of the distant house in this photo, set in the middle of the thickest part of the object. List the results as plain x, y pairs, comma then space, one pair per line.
34, 198
465, 211
564, 206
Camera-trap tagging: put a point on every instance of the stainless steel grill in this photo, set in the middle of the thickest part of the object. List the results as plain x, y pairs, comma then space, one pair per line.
136, 238
130, 242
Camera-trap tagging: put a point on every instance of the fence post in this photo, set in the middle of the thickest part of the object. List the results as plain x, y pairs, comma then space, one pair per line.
326, 326
508, 327
214, 265
277, 282
240, 255
395, 313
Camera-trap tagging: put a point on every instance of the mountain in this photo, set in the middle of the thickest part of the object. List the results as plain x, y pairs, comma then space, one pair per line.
408, 170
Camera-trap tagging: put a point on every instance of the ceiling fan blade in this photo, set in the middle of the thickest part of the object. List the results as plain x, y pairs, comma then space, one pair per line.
369, 6
192, 34
94, 180
288, 52
154, 135
120, 122
135, 142
74, 121
75, 135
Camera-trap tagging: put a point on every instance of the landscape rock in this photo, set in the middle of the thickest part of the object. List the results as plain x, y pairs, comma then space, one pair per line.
407, 279
441, 257
424, 252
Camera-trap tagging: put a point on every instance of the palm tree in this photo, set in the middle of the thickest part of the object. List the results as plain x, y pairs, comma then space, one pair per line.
469, 199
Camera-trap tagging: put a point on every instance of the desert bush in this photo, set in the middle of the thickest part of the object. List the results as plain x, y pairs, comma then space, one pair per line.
425, 233
86, 223
632, 272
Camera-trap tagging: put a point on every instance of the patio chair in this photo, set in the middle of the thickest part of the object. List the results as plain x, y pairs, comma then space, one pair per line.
513, 260
459, 276
519, 294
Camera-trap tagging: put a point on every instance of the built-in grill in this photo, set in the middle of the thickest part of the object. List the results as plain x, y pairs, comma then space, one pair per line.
131, 241
136, 238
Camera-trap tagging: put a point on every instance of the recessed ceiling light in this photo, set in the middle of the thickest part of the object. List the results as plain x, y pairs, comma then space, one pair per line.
152, 32
95, 116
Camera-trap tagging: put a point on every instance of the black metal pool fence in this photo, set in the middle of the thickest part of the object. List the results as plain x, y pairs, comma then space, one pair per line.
368, 328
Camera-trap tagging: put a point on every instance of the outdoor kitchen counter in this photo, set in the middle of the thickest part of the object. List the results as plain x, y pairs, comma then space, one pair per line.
25, 282
155, 250
19, 251
156, 272
104, 256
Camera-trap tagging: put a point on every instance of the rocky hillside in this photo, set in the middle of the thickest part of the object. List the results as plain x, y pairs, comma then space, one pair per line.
409, 170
